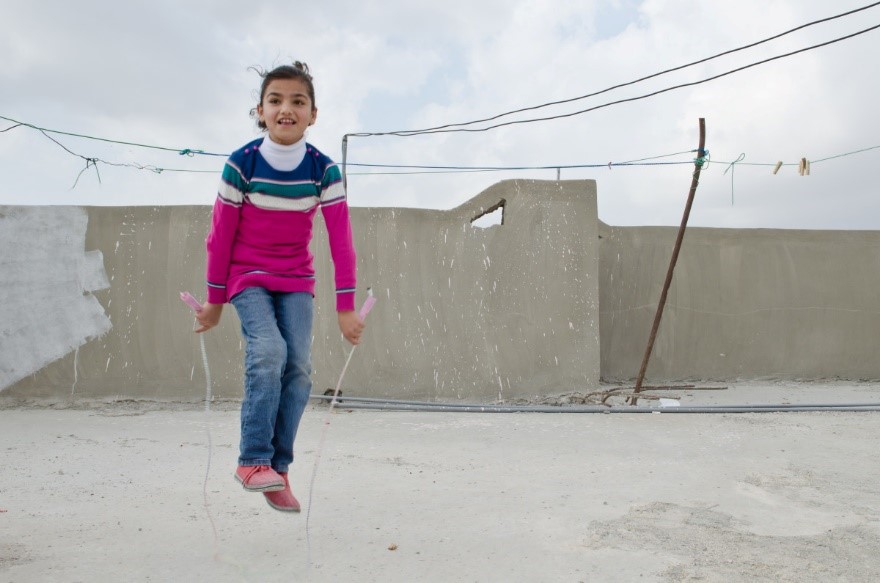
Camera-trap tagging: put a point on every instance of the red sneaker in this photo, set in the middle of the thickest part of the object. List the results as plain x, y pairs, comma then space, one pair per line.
282, 500
259, 479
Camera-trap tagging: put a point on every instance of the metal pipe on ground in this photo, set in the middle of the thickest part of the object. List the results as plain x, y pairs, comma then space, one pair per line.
397, 405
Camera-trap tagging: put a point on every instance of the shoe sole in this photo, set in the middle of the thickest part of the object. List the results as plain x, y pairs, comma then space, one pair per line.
267, 488
282, 508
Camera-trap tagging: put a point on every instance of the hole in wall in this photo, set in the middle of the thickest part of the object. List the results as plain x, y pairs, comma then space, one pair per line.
494, 215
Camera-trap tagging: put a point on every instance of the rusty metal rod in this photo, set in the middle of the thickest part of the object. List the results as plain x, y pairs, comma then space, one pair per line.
695, 181
682, 388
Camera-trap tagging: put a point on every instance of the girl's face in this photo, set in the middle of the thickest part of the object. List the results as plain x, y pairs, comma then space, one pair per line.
287, 110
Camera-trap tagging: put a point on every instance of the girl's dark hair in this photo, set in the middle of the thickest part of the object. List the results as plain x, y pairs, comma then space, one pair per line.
298, 70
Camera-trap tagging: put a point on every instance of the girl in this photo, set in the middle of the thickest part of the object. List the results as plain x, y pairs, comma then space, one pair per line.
258, 260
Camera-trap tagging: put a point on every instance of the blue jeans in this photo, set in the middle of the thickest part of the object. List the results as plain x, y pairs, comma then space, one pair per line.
277, 367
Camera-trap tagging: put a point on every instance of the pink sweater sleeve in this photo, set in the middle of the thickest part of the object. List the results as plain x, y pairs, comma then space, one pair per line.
342, 251
224, 223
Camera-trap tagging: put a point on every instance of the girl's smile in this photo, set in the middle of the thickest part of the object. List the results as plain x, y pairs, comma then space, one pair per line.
287, 110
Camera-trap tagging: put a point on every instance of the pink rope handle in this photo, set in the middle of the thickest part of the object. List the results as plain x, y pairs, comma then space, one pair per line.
189, 300
368, 304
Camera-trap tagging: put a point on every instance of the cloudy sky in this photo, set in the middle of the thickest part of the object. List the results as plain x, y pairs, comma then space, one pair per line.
176, 75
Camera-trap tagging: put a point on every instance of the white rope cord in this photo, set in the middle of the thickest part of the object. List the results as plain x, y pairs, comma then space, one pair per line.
195, 305
208, 398
318, 455
365, 309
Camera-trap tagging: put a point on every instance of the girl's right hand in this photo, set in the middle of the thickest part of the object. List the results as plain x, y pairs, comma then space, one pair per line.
208, 316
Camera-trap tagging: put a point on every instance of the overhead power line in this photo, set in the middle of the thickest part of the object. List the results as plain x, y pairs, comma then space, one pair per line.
459, 127
653, 75
451, 129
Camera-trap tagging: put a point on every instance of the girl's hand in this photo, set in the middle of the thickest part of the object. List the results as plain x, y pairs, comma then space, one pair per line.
208, 316
351, 326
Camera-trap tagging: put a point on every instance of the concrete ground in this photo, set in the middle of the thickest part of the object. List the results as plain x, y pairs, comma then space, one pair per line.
117, 492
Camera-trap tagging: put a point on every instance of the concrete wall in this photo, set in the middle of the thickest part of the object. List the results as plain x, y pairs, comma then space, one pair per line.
464, 312
744, 303
89, 302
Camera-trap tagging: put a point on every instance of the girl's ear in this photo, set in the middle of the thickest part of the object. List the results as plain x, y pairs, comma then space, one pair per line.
314, 116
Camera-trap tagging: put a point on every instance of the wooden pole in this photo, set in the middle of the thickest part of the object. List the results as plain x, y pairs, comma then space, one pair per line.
698, 165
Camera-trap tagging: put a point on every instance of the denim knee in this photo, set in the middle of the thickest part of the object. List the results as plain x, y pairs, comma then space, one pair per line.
267, 356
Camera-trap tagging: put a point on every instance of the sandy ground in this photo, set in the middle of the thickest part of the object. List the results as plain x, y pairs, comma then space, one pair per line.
117, 491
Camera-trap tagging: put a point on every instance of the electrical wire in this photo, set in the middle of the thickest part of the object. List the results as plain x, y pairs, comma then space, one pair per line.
410, 133
501, 168
639, 80
415, 169
455, 127
92, 161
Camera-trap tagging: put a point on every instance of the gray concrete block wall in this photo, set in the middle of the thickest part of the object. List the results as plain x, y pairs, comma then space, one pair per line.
743, 304
463, 313
541, 304
147, 350
472, 313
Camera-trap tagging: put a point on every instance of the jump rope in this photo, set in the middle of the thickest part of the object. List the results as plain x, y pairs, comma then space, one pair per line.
193, 303
365, 309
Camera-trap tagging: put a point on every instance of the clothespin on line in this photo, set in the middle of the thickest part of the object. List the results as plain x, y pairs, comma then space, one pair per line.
804, 167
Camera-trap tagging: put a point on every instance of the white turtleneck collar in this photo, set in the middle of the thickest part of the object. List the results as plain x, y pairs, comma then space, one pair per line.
283, 158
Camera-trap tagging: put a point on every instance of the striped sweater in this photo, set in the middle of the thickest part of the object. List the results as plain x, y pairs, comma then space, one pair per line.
262, 226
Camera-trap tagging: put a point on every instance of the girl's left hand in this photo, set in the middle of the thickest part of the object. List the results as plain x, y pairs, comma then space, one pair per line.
351, 326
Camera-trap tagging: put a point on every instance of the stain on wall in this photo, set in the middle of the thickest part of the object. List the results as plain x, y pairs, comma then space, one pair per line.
47, 308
